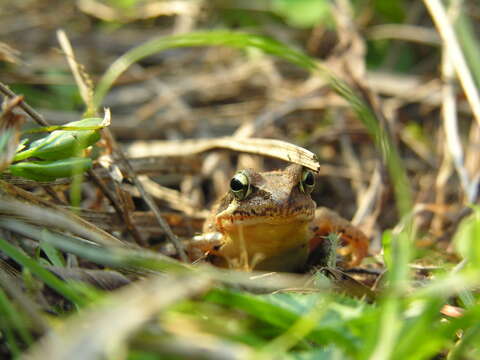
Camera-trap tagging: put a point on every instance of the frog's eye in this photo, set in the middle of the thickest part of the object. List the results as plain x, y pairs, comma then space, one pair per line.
308, 181
240, 186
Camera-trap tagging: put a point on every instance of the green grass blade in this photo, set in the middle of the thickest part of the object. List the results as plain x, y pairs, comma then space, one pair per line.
398, 246
12, 320
272, 47
210, 38
46, 276
114, 256
8, 334
53, 254
385, 145
389, 329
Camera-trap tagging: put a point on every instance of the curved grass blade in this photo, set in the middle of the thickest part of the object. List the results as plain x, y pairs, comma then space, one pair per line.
242, 40
210, 38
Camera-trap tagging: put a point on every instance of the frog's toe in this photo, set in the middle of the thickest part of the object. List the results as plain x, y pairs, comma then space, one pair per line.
353, 245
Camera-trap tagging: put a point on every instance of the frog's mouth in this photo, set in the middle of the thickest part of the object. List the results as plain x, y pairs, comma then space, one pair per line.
264, 217
232, 221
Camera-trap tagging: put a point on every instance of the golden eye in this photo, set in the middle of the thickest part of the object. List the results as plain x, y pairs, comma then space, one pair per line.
307, 184
240, 186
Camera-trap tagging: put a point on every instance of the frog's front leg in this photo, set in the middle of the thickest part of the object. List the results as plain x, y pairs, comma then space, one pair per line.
207, 246
203, 245
354, 243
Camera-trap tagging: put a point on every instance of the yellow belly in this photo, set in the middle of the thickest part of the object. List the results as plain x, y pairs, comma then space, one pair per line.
273, 247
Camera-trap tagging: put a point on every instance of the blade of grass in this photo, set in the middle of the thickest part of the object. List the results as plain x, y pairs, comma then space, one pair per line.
383, 142
15, 320
10, 340
390, 325
399, 252
210, 38
47, 277
241, 40
53, 254
111, 256
16, 289
53, 216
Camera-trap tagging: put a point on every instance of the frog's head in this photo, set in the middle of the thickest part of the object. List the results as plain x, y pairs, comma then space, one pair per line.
275, 197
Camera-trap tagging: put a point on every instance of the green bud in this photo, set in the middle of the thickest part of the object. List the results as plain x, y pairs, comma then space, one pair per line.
51, 170
62, 144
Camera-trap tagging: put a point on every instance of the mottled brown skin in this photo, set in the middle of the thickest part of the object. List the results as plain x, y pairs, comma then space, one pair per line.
276, 226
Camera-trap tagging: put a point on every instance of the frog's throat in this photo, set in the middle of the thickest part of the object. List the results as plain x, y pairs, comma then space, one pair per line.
265, 240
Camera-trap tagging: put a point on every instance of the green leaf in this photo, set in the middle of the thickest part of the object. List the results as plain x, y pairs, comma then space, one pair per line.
62, 144
51, 170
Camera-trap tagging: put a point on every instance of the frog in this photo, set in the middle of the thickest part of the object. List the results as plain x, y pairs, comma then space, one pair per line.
268, 221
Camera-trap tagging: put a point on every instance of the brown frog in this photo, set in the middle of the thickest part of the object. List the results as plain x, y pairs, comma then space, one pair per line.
268, 221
